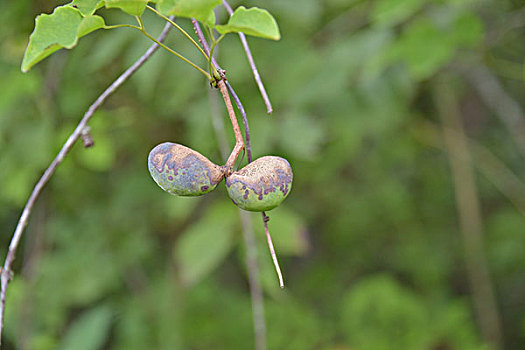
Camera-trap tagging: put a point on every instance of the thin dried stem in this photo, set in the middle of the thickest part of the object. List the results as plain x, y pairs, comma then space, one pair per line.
244, 121
239, 141
266, 218
22, 222
256, 75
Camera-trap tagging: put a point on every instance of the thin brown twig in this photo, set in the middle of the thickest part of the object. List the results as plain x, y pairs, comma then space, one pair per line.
256, 75
22, 222
239, 141
244, 121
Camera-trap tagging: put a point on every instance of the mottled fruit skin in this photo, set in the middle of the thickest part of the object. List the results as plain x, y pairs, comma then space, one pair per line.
261, 185
182, 171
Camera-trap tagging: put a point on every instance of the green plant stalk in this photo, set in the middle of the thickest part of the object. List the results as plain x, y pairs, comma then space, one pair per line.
121, 26
211, 67
143, 31
180, 30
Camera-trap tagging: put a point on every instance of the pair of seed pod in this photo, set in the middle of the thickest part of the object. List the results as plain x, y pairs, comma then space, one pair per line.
260, 186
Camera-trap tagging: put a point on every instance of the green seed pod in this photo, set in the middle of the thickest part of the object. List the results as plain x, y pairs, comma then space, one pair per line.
182, 171
261, 185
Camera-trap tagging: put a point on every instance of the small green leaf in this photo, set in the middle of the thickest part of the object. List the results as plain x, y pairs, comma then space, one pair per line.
253, 21
90, 24
205, 244
131, 7
201, 10
51, 33
87, 7
90, 331
61, 29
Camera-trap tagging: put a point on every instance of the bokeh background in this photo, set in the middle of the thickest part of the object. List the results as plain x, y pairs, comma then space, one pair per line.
403, 121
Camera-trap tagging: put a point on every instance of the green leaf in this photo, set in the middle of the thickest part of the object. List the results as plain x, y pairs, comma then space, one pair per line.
205, 244
90, 24
131, 7
253, 21
90, 331
201, 10
87, 7
61, 29
51, 33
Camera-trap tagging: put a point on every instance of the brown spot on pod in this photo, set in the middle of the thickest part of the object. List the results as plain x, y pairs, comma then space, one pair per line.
182, 171
261, 185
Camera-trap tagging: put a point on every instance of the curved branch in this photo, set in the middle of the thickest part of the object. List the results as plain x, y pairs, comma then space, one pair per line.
77, 133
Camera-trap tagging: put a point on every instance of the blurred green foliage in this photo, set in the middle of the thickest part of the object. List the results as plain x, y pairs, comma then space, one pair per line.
368, 239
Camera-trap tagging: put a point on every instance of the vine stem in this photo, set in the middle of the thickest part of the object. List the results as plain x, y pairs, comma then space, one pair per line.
180, 30
6, 273
143, 31
244, 121
255, 71
239, 141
